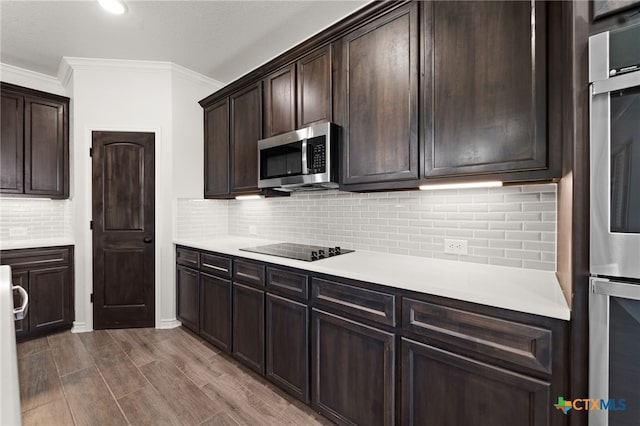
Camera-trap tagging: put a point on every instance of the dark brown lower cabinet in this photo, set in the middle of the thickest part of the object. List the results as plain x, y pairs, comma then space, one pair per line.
215, 311
287, 345
49, 298
47, 276
442, 388
188, 305
248, 326
353, 369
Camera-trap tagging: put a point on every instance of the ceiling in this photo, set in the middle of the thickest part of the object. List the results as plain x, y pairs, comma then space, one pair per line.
220, 39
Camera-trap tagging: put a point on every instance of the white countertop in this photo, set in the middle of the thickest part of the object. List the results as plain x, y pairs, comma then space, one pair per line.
523, 290
45, 242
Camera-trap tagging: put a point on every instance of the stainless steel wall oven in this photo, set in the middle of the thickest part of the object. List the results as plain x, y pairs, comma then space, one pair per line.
614, 301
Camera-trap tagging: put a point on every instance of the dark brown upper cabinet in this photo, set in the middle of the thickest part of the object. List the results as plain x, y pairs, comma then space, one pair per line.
486, 94
246, 130
299, 94
12, 143
216, 150
315, 100
422, 91
378, 97
232, 127
280, 102
35, 143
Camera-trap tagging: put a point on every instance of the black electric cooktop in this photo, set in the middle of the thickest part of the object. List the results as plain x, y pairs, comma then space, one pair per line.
305, 252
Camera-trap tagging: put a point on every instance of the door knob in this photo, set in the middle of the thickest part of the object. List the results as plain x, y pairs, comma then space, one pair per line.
147, 240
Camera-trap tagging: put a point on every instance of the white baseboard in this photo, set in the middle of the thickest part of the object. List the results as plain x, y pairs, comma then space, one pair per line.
168, 323
80, 327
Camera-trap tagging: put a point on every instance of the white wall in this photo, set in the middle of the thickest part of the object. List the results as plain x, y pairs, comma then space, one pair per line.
131, 96
188, 132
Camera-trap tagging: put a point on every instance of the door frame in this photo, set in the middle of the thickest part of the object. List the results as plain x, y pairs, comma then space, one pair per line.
82, 213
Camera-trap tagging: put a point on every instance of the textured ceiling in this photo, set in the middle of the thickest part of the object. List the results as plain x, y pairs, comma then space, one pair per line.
220, 39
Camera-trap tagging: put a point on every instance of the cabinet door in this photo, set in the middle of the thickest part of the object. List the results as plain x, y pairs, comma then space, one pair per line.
246, 129
380, 117
21, 279
442, 388
216, 150
215, 311
353, 371
12, 143
248, 326
49, 298
287, 345
280, 102
46, 148
488, 89
314, 101
187, 295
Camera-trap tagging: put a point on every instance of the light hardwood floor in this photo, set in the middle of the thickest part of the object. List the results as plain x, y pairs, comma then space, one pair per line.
145, 377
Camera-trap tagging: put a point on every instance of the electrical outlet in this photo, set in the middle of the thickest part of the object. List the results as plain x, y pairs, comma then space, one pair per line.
456, 246
253, 230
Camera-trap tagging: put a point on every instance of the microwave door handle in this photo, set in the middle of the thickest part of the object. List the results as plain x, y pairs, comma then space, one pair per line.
305, 170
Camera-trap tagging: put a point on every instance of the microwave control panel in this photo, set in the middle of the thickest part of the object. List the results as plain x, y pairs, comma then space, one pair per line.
317, 155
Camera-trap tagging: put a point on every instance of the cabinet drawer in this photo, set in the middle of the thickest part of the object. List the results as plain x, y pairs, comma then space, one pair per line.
369, 304
510, 341
188, 257
248, 272
36, 258
216, 265
288, 283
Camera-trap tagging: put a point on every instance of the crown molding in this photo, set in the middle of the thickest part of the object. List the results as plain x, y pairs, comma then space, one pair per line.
70, 64
32, 79
197, 77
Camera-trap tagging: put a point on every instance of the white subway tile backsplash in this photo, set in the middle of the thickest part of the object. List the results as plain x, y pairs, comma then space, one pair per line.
202, 219
510, 226
24, 219
521, 236
523, 254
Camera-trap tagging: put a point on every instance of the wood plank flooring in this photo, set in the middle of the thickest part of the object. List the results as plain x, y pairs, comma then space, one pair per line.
146, 377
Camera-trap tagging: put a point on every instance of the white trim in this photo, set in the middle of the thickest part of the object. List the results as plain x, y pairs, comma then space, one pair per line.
68, 64
196, 76
80, 327
82, 304
31, 79
65, 73
168, 323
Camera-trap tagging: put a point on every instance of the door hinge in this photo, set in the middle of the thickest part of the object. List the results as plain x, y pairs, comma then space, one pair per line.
91, 298
91, 224
90, 152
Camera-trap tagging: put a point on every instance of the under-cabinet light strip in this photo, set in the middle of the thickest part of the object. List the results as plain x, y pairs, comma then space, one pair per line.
486, 184
249, 197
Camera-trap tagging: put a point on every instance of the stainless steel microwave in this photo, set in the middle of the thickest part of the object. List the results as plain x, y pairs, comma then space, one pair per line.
304, 159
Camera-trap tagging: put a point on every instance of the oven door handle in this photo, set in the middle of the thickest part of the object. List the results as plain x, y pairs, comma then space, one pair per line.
20, 312
616, 289
613, 84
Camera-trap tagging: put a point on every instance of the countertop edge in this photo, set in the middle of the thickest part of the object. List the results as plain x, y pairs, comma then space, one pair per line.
26, 244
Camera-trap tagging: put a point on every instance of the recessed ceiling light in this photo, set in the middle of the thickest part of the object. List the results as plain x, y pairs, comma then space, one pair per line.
117, 7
